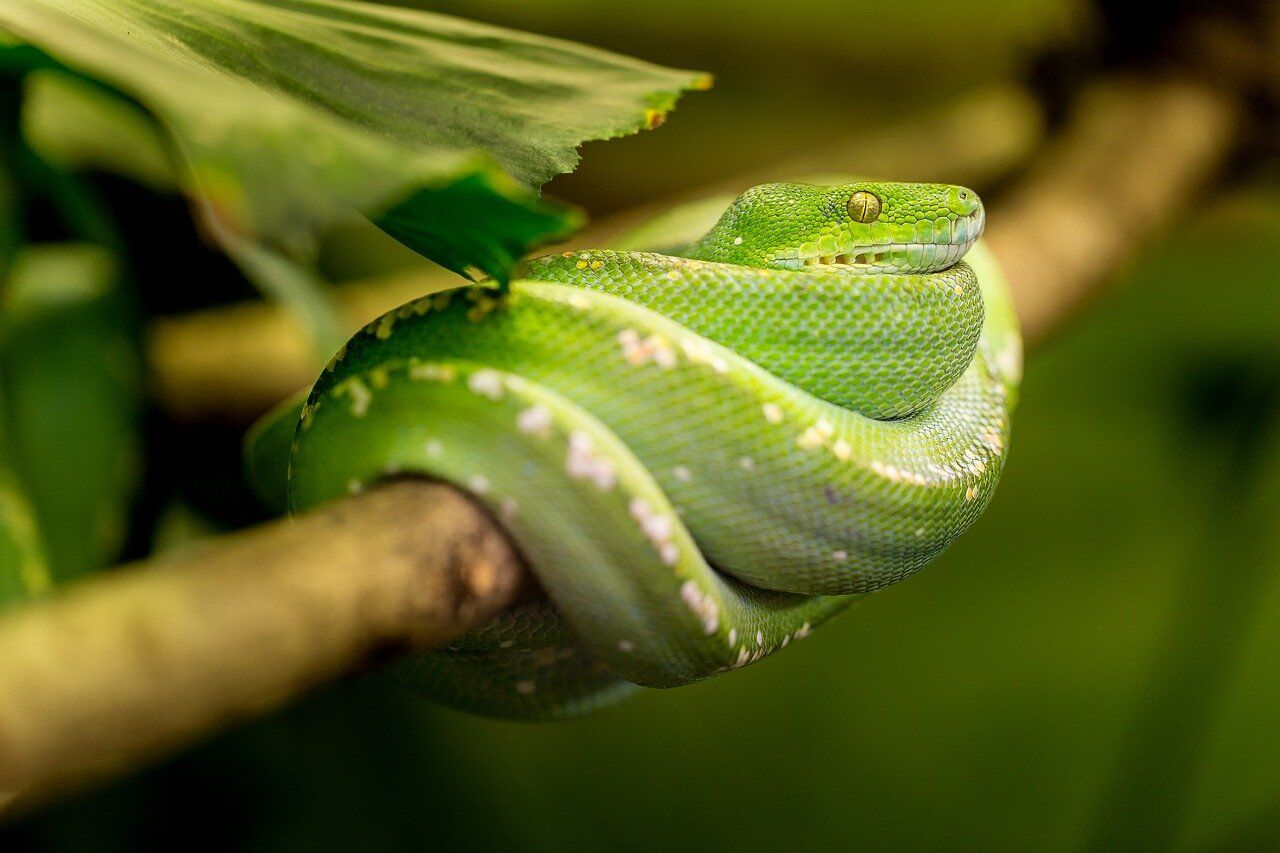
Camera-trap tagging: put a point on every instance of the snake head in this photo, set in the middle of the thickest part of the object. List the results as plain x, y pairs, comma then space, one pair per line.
859, 228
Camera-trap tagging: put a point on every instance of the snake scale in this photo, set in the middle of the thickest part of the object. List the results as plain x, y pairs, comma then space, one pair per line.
703, 453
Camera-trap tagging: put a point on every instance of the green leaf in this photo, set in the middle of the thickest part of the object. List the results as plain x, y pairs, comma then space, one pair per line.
76, 125
293, 115
23, 573
70, 401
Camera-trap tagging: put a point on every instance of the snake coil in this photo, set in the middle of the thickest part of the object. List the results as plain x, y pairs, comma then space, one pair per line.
703, 453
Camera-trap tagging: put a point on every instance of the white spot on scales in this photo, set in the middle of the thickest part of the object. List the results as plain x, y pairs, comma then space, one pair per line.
701, 351
535, 420
360, 396
487, 383
583, 462
658, 529
702, 604
432, 371
638, 351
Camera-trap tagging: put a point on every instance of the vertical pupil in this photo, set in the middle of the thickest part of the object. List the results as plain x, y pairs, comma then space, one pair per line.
863, 206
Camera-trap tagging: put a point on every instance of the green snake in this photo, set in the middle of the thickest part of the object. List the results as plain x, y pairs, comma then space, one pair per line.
702, 454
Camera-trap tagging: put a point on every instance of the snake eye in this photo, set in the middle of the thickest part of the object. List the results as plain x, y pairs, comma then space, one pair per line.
864, 206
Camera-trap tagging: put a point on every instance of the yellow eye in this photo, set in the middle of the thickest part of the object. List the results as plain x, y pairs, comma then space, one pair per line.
864, 206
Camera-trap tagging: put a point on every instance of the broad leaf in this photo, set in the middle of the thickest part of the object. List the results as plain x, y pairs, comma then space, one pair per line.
70, 402
76, 125
291, 115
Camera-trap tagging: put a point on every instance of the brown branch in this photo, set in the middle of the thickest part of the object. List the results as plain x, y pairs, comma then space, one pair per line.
142, 661
135, 664
1133, 157
229, 365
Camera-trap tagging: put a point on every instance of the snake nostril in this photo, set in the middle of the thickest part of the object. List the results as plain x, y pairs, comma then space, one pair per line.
964, 201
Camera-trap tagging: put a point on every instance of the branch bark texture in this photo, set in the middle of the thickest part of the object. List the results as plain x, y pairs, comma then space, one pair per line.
147, 658
1134, 156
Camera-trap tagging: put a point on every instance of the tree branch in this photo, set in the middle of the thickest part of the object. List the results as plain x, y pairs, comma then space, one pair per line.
143, 660
1132, 158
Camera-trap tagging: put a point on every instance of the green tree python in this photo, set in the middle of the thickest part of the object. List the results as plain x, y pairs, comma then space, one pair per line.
702, 453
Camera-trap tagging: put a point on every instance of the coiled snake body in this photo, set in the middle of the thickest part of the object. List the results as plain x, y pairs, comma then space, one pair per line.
702, 454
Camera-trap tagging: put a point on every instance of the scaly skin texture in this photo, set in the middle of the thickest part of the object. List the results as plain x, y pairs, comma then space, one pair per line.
813, 399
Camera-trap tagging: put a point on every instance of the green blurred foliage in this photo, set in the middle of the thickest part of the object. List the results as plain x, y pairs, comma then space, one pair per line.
70, 374
78, 126
71, 377
291, 119
24, 572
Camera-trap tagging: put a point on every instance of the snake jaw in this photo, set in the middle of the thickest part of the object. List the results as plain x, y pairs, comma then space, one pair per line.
910, 257
915, 258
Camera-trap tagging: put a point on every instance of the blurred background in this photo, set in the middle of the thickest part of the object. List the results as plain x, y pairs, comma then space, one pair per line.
1097, 661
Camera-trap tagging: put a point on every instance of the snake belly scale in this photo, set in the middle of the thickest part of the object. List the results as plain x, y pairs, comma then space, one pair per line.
702, 454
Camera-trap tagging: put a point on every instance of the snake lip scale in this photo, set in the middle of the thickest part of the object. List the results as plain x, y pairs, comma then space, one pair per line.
701, 454
929, 251
890, 258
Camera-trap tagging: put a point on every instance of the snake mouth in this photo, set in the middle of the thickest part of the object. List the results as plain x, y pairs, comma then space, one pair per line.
919, 256
894, 257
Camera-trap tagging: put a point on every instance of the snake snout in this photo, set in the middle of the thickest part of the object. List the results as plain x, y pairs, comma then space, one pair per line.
963, 201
